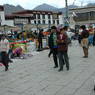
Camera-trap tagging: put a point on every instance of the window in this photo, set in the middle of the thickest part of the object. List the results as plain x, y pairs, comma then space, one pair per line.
35, 22
43, 16
57, 16
53, 21
49, 22
48, 16
34, 16
57, 21
38, 16
85, 16
43, 21
0, 20
39, 22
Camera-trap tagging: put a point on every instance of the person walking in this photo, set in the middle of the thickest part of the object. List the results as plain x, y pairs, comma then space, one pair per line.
40, 36
53, 44
94, 39
63, 49
49, 44
84, 41
91, 35
4, 48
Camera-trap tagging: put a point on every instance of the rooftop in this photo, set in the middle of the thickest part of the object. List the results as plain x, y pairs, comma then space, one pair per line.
36, 12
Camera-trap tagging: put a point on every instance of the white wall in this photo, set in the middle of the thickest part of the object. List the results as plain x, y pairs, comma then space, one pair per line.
61, 19
41, 19
46, 19
51, 19
32, 21
2, 15
9, 22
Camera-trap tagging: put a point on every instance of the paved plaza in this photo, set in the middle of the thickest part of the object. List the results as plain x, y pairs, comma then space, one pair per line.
36, 75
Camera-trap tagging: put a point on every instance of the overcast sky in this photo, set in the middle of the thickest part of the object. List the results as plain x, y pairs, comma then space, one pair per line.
30, 4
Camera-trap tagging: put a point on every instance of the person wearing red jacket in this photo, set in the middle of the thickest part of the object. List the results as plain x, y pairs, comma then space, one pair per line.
63, 49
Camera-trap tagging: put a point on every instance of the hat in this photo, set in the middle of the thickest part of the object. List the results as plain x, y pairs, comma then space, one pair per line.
53, 27
83, 27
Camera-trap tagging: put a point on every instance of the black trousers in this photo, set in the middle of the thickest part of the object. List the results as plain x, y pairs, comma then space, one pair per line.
54, 51
50, 52
40, 44
94, 40
5, 59
63, 59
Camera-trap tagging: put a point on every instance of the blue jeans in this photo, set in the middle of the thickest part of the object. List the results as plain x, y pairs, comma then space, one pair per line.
90, 39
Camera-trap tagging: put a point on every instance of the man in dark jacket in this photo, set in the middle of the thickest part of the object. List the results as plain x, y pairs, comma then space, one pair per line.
53, 44
49, 44
94, 39
40, 36
63, 49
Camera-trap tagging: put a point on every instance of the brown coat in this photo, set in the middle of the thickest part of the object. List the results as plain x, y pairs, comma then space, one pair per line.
62, 42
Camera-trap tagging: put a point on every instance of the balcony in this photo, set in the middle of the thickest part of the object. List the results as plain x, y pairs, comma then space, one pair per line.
84, 16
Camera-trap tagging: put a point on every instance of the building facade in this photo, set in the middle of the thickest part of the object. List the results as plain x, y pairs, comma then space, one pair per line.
31, 19
82, 16
38, 19
2, 16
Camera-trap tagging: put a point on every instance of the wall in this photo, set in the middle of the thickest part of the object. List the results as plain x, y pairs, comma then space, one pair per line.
9, 22
61, 19
80, 10
2, 15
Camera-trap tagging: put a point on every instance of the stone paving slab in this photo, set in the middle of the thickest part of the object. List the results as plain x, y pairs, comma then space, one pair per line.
36, 75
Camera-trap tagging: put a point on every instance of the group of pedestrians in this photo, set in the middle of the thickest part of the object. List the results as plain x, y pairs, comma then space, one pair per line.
86, 39
58, 43
91, 38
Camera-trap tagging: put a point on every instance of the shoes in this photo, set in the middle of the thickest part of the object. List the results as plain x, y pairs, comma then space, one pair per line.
6, 69
55, 67
61, 69
94, 87
48, 55
85, 56
67, 69
10, 61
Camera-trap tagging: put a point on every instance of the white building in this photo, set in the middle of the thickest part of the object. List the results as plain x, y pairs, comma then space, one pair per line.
82, 16
31, 19
3, 21
2, 16
39, 19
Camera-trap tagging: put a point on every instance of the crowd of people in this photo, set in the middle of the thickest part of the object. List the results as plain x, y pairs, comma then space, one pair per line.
58, 42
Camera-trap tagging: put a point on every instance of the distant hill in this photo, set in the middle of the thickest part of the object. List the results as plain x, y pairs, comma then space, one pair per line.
91, 5
70, 7
45, 7
11, 8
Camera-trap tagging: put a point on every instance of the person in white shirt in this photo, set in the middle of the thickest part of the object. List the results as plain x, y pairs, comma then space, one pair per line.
4, 48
